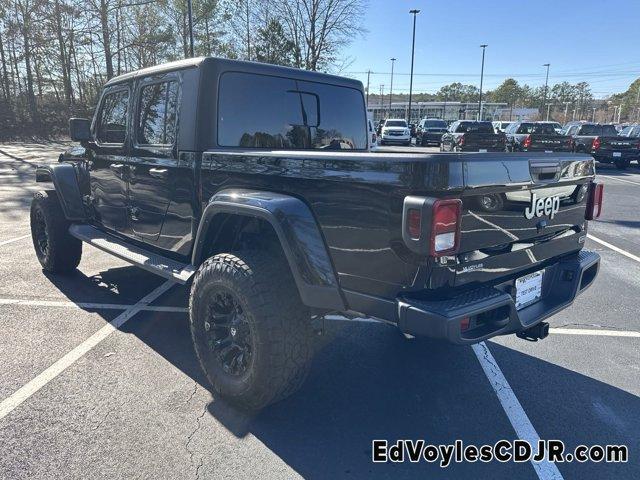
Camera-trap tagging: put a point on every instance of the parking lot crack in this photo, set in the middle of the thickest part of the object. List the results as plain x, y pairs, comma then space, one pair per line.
108, 414
195, 389
192, 452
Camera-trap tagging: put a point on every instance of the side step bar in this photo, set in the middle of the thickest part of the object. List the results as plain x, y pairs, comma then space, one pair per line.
152, 262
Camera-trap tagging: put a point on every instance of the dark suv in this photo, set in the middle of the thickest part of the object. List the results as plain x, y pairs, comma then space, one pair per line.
430, 131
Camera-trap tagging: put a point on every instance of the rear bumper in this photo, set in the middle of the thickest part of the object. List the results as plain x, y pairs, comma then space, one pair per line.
475, 148
564, 149
492, 310
607, 157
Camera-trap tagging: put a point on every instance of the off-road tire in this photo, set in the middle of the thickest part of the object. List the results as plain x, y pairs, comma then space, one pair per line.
56, 249
280, 325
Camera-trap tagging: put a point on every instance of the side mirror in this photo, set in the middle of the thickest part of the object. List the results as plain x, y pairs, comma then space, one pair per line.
79, 129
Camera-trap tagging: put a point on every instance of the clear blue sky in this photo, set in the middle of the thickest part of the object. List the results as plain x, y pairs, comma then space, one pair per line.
597, 41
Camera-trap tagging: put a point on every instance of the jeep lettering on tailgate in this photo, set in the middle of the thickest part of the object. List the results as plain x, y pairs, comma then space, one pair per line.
542, 206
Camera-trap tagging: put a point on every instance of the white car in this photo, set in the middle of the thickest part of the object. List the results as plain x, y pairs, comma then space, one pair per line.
395, 130
372, 135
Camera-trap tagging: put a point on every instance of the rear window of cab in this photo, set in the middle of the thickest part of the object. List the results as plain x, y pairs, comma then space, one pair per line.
269, 112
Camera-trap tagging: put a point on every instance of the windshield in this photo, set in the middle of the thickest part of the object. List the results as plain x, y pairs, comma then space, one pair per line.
479, 127
599, 130
395, 123
435, 124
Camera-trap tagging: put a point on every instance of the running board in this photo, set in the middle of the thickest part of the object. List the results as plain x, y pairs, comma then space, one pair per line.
152, 262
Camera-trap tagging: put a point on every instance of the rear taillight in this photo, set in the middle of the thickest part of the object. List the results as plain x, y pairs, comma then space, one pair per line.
445, 227
526, 143
414, 223
461, 140
596, 143
594, 201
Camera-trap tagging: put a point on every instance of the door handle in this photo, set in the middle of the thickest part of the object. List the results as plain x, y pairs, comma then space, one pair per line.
159, 172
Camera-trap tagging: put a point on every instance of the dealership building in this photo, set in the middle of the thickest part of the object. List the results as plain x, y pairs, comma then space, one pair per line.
444, 110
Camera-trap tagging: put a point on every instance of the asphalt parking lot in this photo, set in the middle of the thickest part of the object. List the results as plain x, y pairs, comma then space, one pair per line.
81, 399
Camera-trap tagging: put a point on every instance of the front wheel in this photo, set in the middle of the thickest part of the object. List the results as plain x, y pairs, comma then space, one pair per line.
56, 249
251, 332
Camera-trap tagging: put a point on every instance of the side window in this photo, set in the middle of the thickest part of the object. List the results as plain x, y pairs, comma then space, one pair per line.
157, 111
573, 130
259, 111
112, 122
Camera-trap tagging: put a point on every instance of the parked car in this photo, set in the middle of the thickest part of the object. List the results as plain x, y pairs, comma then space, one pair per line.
500, 126
631, 131
395, 130
373, 138
199, 172
430, 131
472, 136
604, 143
536, 137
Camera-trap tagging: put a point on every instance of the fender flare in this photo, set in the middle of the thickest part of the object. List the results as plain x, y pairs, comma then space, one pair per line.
298, 233
65, 181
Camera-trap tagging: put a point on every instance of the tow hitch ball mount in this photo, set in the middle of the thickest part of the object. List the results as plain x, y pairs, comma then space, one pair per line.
535, 333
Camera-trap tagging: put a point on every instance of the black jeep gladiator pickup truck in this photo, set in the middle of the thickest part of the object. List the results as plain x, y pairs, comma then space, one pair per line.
536, 137
604, 143
472, 136
254, 183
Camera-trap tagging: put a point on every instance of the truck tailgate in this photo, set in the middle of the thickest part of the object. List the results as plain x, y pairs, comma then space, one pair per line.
550, 142
512, 207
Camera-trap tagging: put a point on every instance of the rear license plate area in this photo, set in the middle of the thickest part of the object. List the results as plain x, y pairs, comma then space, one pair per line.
617, 154
529, 289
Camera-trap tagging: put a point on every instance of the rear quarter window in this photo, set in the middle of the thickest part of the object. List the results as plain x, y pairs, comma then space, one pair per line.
260, 111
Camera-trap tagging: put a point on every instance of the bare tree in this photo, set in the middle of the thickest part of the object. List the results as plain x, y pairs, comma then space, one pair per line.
320, 28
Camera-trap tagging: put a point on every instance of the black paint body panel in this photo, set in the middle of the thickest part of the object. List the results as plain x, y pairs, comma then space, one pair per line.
338, 214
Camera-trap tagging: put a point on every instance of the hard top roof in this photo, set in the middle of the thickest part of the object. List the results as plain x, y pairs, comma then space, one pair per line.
224, 64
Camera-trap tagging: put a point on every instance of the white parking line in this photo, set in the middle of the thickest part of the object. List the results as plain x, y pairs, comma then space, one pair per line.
614, 248
88, 305
521, 424
7, 242
26, 391
601, 333
620, 179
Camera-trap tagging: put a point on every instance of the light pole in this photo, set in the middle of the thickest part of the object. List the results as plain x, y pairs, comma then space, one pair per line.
393, 61
566, 110
368, 75
413, 45
546, 84
593, 118
483, 46
548, 108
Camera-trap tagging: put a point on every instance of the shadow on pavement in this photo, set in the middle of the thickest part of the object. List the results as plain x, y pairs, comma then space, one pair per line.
368, 382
